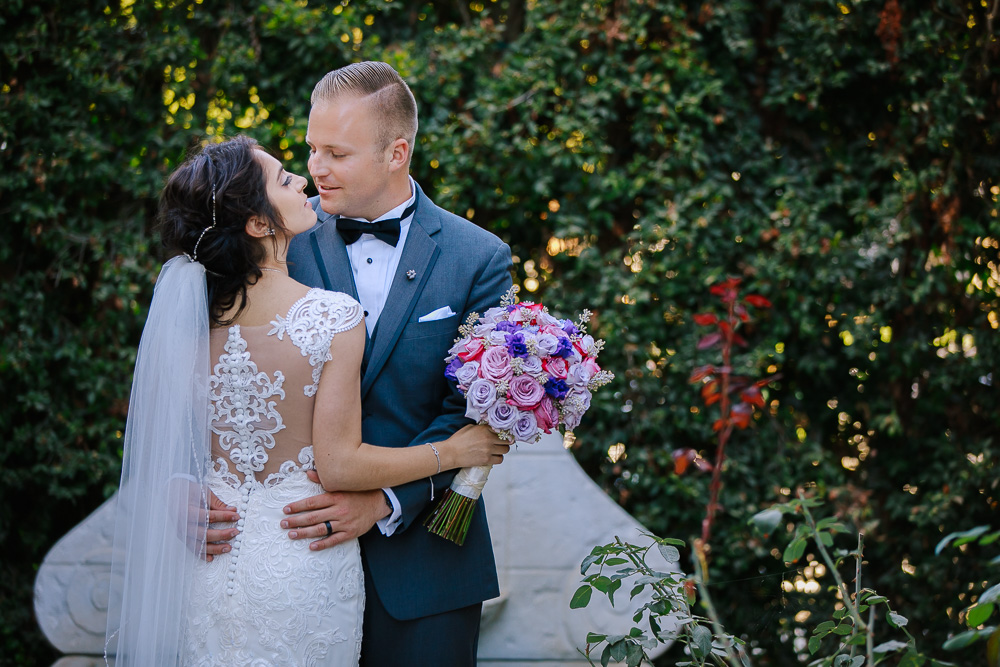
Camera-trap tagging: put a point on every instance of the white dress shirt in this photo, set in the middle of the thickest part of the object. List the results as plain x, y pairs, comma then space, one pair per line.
374, 264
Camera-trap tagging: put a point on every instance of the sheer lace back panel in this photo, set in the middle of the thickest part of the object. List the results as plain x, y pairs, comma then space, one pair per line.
263, 387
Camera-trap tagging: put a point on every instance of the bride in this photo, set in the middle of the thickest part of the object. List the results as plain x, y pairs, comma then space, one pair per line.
244, 380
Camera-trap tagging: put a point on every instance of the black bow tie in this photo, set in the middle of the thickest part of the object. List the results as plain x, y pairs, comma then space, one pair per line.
387, 230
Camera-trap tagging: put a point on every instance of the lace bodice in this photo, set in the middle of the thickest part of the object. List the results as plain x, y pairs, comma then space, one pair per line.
263, 387
271, 600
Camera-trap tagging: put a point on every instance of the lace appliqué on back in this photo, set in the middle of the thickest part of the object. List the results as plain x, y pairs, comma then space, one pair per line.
311, 324
243, 414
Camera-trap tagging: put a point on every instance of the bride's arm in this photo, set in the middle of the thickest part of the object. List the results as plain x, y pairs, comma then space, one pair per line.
345, 463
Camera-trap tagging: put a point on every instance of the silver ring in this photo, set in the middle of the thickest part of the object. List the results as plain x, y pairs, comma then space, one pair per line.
329, 528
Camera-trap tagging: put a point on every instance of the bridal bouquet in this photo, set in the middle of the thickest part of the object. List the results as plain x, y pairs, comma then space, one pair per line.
523, 372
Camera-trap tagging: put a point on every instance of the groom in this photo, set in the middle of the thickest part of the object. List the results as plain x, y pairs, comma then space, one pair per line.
418, 271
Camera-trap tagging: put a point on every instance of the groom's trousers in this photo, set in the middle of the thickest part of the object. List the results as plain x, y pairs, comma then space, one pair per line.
450, 639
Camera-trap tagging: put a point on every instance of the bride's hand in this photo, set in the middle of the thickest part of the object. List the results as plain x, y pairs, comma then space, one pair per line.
473, 445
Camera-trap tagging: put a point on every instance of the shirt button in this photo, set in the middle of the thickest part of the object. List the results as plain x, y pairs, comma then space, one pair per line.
369, 260
366, 313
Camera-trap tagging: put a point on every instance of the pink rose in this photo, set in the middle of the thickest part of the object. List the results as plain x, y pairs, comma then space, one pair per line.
525, 392
546, 415
472, 350
556, 367
495, 364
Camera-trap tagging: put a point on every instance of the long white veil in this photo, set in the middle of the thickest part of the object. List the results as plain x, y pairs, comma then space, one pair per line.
162, 504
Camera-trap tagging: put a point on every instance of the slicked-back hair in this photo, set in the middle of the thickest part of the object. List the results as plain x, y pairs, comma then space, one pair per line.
390, 99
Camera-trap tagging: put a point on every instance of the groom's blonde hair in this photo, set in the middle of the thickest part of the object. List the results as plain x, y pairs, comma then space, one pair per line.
389, 98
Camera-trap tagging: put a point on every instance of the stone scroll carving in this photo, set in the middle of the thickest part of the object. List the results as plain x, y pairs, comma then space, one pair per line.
545, 516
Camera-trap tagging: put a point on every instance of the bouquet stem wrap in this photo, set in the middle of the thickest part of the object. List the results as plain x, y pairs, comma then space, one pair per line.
452, 517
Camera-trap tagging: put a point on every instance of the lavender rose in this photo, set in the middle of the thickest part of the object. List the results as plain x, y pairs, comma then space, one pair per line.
495, 365
578, 400
547, 344
483, 329
495, 314
525, 392
480, 397
501, 416
579, 375
467, 373
532, 365
525, 428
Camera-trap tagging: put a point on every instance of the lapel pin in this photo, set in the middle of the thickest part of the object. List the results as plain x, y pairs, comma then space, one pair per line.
411, 274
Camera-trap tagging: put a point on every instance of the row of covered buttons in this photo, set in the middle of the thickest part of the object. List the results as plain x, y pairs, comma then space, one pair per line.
241, 508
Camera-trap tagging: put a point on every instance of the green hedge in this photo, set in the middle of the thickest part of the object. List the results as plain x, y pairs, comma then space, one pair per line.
840, 157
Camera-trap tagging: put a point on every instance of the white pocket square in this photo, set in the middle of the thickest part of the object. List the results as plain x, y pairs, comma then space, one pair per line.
439, 314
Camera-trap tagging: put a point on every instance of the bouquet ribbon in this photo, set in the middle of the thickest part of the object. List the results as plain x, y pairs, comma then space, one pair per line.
469, 482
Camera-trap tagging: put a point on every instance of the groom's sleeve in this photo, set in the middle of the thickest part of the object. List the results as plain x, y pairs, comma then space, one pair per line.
491, 284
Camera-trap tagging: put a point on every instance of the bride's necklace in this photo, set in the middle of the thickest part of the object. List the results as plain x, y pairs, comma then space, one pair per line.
266, 268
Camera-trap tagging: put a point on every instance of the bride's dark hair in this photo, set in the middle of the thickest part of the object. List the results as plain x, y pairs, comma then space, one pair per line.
225, 176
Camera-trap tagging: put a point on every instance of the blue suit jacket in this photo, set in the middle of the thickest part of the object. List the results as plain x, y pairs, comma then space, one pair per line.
406, 399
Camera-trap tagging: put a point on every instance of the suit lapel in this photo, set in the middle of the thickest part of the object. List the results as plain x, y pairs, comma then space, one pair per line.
419, 255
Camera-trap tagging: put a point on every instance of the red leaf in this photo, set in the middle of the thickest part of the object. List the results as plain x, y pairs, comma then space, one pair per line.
740, 415
717, 426
683, 458
701, 373
741, 312
689, 590
710, 392
709, 340
705, 319
752, 396
739, 340
757, 300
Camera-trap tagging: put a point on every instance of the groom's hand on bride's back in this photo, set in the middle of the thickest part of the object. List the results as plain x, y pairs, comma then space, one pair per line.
350, 514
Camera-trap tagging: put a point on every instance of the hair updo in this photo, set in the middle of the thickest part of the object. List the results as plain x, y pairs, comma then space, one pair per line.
232, 258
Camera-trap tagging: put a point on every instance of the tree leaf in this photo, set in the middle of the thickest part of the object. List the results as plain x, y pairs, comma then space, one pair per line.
702, 641
991, 594
896, 620
581, 598
890, 646
794, 551
669, 553
634, 655
588, 561
619, 650
978, 614
824, 627
961, 640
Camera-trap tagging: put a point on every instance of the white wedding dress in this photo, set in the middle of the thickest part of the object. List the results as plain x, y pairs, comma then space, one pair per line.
270, 600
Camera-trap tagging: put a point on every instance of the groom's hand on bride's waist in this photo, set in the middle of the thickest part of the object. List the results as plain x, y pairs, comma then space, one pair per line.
333, 518
217, 539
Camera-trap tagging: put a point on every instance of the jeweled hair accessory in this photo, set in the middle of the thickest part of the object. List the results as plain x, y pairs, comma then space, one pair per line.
194, 255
